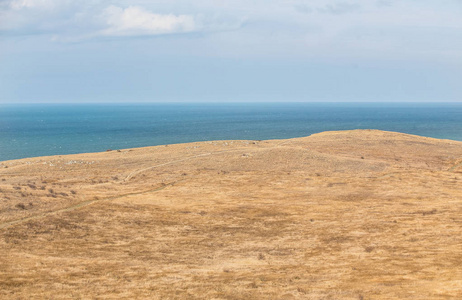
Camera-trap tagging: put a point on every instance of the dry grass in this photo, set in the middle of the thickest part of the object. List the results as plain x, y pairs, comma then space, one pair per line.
338, 215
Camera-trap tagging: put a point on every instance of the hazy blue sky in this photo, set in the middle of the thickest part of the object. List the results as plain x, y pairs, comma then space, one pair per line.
201, 50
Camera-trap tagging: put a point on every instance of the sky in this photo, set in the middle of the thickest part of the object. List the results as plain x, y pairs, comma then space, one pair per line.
65, 51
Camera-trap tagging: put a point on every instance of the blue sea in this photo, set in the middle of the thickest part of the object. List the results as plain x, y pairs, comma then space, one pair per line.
53, 129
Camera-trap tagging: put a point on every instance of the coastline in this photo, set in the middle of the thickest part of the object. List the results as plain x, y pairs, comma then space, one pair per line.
44, 130
44, 157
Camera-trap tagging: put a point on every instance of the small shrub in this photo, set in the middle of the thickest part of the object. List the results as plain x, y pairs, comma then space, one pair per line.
430, 212
369, 249
17, 188
73, 192
51, 191
20, 206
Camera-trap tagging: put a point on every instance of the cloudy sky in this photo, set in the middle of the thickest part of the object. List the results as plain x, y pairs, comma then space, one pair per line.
215, 51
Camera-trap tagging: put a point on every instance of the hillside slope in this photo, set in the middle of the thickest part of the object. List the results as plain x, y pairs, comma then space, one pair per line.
337, 215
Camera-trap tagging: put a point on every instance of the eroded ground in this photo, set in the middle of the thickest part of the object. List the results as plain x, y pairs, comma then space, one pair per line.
337, 215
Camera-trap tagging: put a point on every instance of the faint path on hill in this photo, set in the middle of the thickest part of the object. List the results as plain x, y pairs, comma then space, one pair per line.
82, 204
136, 172
455, 167
89, 202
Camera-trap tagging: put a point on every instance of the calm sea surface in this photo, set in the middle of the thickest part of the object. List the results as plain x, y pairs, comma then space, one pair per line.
50, 129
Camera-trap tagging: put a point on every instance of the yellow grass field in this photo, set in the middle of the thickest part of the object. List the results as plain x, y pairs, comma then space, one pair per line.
360, 214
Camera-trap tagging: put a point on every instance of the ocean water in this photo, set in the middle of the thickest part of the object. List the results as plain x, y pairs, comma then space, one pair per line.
54, 129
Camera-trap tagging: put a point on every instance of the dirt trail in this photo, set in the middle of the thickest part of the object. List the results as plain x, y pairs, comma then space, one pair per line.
129, 176
455, 167
81, 204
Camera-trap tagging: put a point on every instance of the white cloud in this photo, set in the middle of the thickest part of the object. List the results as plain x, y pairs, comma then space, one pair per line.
336, 8
19, 4
340, 8
30, 4
138, 21
68, 20
297, 28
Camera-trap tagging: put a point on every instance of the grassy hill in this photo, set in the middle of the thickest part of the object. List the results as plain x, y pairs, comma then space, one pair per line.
361, 214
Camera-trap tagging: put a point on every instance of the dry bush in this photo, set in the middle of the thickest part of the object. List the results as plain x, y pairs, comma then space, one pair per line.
32, 186
20, 206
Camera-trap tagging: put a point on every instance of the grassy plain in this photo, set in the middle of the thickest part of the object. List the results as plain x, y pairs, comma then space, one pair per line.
358, 214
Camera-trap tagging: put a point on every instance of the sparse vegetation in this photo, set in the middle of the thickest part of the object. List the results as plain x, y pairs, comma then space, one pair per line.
264, 229
20, 206
429, 212
369, 249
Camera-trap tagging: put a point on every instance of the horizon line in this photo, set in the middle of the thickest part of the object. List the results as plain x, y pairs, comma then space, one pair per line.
233, 102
